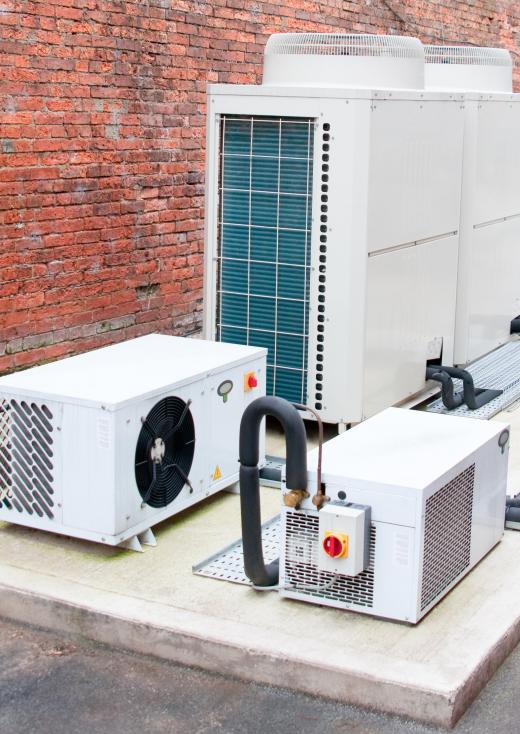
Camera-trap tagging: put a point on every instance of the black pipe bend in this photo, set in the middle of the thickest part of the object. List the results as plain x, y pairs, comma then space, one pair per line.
249, 453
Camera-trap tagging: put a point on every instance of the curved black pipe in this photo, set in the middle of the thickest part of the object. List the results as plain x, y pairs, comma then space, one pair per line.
515, 325
296, 478
474, 397
449, 399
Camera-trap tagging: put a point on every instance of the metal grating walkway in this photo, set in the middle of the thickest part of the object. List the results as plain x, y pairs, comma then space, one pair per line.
228, 564
499, 370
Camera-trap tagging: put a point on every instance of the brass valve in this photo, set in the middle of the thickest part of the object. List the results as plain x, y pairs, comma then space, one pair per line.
295, 497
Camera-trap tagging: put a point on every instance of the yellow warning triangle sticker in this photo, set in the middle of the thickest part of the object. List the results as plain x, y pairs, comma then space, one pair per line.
218, 473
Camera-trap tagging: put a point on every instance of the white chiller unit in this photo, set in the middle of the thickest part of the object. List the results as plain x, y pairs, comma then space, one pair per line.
106, 444
416, 501
332, 217
488, 296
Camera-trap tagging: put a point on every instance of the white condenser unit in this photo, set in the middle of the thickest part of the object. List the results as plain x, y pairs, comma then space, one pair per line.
332, 216
106, 444
416, 500
488, 285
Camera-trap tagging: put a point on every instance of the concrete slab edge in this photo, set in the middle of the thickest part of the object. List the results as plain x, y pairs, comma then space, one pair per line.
488, 666
58, 615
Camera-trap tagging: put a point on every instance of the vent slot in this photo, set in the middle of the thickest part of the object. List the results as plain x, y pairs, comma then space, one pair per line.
447, 535
301, 567
322, 267
26, 453
264, 243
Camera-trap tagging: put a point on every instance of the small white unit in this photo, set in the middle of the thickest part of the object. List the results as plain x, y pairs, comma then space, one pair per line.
106, 444
332, 217
423, 493
488, 293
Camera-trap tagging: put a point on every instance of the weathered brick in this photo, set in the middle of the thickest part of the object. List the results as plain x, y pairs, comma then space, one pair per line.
102, 110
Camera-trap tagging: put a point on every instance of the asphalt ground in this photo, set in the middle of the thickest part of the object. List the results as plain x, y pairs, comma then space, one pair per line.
55, 685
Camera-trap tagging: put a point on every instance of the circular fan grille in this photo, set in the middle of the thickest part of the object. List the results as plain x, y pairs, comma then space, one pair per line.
472, 55
164, 452
344, 44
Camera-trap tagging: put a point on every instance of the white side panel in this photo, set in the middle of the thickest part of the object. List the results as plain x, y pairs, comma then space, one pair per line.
87, 459
395, 572
489, 498
468, 197
493, 288
411, 295
498, 160
346, 263
415, 171
225, 421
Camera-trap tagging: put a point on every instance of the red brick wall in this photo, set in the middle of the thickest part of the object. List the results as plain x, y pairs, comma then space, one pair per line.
102, 149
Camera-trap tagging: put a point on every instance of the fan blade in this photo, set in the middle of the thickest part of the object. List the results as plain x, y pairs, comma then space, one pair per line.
149, 428
151, 488
177, 468
179, 423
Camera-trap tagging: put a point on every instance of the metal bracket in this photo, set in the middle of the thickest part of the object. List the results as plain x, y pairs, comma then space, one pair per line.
132, 544
473, 397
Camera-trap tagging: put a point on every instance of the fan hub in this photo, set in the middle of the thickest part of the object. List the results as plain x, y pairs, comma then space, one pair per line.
158, 450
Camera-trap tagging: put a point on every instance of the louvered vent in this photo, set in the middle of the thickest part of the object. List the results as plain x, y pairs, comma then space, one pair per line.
344, 44
447, 535
301, 568
472, 55
264, 243
26, 458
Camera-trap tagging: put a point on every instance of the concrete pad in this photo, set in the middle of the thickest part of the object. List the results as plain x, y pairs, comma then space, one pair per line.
152, 603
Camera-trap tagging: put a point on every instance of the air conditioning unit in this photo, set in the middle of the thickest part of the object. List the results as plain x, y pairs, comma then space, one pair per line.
488, 288
332, 216
106, 444
416, 501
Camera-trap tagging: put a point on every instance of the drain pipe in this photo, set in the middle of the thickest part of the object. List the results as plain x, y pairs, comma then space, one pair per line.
296, 478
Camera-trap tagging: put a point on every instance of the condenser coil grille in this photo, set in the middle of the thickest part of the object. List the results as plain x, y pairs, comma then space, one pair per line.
344, 44
301, 568
264, 243
447, 535
26, 458
470, 55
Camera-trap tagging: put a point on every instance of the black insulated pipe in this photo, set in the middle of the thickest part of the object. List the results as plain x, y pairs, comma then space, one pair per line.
515, 325
291, 421
474, 397
449, 399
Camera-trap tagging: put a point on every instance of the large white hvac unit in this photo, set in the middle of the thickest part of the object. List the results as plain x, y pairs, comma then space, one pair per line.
489, 261
106, 444
416, 501
332, 216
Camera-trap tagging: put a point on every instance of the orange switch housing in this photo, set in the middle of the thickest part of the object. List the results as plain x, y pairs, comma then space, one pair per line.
250, 381
335, 545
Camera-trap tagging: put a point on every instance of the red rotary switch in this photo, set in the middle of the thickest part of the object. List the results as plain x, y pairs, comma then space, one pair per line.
335, 546
252, 381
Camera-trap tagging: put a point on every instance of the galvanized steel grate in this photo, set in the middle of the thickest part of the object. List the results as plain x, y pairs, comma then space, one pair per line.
228, 564
499, 370
26, 468
264, 243
301, 572
447, 535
